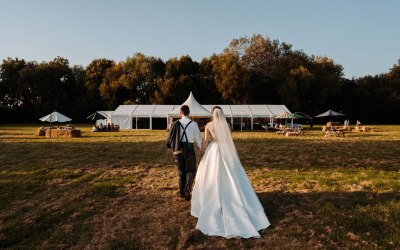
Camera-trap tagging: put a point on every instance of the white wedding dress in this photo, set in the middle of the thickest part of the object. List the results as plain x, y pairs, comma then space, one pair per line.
223, 199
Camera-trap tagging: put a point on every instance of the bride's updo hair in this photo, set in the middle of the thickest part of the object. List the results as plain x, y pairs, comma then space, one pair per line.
217, 112
216, 107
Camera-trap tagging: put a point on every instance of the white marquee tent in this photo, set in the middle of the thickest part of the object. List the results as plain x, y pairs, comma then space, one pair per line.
122, 116
196, 110
134, 116
251, 111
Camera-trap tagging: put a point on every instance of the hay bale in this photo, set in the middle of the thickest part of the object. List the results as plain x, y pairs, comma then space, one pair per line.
63, 133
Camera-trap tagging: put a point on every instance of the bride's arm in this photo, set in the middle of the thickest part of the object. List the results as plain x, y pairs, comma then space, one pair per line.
206, 138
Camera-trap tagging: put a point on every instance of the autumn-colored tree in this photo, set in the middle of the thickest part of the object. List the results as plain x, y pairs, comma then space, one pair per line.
111, 89
231, 79
132, 81
255, 70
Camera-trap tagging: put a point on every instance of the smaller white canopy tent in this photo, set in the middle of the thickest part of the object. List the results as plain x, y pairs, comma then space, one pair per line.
286, 115
55, 117
123, 116
277, 110
196, 110
107, 114
330, 113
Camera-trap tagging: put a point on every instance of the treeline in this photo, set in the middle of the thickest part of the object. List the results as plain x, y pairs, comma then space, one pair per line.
254, 70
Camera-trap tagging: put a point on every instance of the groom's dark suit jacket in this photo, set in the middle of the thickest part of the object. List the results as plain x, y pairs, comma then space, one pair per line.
173, 140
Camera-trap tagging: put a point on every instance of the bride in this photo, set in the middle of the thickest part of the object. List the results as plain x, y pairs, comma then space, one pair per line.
223, 199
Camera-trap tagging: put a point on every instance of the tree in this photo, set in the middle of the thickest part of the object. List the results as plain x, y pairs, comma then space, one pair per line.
11, 84
111, 89
132, 81
94, 75
207, 91
262, 60
254, 70
181, 77
231, 79
325, 89
142, 75
54, 86
377, 98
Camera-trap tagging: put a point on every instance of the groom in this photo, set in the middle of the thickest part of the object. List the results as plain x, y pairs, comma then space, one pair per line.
182, 134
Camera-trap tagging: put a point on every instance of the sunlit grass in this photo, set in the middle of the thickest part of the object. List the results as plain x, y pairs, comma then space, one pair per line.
118, 190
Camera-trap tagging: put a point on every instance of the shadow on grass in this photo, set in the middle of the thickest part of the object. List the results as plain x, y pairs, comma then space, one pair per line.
321, 220
319, 154
156, 219
274, 202
34, 155
299, 221
365, 216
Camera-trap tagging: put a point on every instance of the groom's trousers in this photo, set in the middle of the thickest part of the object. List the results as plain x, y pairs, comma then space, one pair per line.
186, 162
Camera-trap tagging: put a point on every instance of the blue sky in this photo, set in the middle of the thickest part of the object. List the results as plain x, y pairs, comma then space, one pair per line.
361, 35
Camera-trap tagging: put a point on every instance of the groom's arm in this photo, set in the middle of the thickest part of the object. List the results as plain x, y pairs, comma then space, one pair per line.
171, 135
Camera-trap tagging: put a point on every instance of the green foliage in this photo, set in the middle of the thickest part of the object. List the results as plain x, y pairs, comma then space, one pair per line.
254, 70
94, 75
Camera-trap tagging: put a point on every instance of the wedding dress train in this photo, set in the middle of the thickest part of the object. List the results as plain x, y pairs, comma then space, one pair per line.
223, 199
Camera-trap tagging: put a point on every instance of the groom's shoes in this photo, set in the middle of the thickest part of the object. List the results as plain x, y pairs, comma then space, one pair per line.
187, 195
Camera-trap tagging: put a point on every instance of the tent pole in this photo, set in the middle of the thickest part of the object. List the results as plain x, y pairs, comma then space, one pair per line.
232, 121
151, 123
50, 127
136, 121
241, 123
251, 123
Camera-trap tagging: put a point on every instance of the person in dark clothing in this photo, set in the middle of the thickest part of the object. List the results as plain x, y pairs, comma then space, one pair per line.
181, 136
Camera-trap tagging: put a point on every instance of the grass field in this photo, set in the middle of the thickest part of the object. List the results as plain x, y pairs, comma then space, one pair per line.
118, 191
